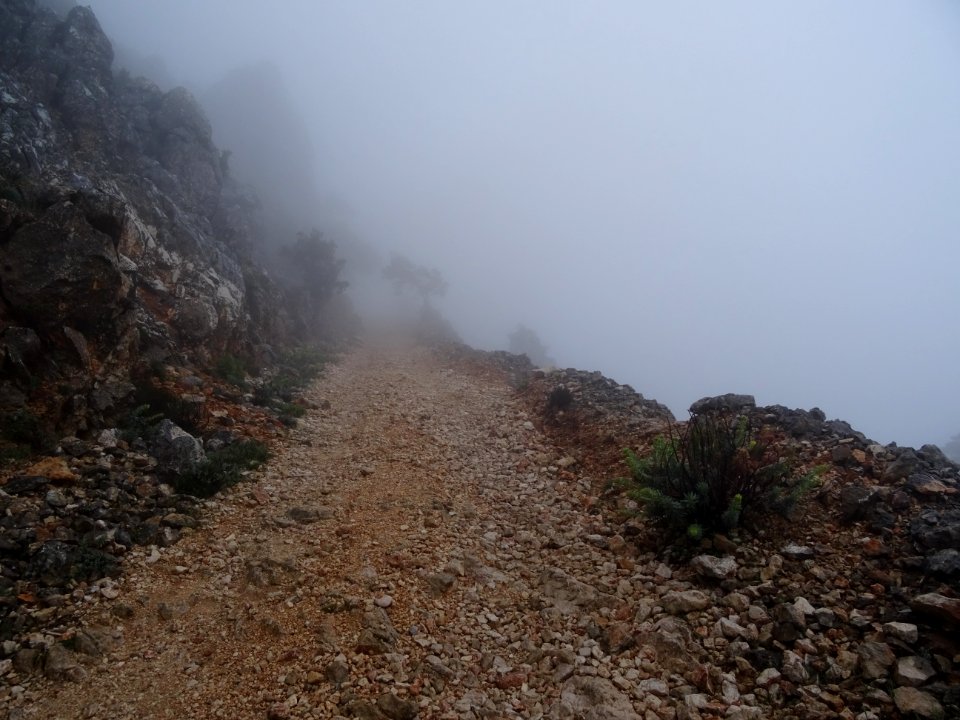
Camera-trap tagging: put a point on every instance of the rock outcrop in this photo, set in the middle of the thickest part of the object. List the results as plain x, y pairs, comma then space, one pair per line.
122, 239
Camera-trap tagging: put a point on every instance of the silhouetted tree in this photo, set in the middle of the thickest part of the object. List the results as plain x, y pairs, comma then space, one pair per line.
425, 282
312, 269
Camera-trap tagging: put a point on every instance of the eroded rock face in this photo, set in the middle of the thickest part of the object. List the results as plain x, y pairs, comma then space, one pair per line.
60, 270
117, 221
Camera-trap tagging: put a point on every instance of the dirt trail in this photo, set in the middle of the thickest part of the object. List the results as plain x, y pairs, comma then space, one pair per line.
401, 548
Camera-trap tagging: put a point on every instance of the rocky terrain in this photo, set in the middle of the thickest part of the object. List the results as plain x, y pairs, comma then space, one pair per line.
124, 242
432, 546
438, 537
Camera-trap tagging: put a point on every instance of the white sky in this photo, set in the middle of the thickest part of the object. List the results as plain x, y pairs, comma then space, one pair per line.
693, 197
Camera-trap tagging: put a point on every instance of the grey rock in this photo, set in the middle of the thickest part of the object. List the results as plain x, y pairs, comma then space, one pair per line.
904, 632
937, 606
685, 601
378, 635
719, 403
109, 438
913, 671
363, 710
308, 515
26, 660
179, 520
397, 708
594, 698
905, 465
671, 641
176, 449
440, 583
337, 672
856, 501
713, 567
568, 594
936, 528
793, 668
916, 703
56, 499
654, 686
53, 282
875, 660
57, 562
59, 663
945, 562
797, 552
21, 348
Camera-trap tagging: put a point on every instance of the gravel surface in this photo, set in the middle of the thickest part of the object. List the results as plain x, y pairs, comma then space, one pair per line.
417, 548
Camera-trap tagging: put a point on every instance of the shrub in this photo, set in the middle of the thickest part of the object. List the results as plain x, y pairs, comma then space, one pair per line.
296, 369
559, 400
290, 412
139, 422
232, 369
716, 473
222, 468
152, 400
304, 363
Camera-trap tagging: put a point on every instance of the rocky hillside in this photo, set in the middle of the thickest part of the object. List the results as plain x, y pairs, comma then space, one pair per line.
123, 241
462, 497
128, 295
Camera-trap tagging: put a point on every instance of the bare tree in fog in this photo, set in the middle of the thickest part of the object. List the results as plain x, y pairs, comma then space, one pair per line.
423, 281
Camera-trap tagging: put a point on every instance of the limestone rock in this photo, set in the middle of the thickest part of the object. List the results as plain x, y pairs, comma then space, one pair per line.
729, 402
713, 567
685, 601
176, 449
937, 606
916, 703
594, 698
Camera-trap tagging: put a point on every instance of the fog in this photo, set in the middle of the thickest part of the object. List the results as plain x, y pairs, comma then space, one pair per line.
692, 197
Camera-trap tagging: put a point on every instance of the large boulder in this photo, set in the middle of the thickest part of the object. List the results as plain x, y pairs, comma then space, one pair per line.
178, 451
595, 698
61, 270
730, 402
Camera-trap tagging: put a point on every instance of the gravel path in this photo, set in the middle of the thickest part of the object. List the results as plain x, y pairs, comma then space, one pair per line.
418, 549
413, 549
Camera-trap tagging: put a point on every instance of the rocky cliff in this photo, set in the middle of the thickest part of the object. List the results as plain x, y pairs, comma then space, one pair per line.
123, 241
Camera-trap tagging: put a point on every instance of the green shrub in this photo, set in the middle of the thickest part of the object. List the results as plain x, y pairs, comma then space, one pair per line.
152, 400
222, 468
232, 369
716, 473
290, 412
295, 370
139, 422
292, 409
303, 363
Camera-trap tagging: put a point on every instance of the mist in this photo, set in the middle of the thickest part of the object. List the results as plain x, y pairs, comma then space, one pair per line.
693, 198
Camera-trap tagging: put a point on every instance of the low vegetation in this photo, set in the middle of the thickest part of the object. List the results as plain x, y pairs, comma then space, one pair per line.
559, 400
295, 371
222, 468
139, 422
232, 369
714, 474
153, 403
